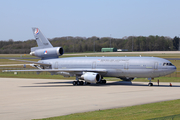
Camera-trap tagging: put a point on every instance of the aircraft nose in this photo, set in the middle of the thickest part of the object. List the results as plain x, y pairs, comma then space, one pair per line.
174, 68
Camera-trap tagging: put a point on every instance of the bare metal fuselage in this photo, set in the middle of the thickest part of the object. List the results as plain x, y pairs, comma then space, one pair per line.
129, 67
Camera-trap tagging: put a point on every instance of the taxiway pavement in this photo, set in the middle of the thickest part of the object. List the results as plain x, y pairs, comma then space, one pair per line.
24, 99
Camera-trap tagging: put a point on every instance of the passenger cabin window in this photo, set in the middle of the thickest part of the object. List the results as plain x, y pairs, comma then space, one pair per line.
168, 64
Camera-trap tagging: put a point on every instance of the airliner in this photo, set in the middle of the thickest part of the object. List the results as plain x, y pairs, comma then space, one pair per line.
89, 70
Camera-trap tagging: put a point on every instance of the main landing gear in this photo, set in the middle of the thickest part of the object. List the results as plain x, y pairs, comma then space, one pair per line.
101, 82
78, 83
87, 83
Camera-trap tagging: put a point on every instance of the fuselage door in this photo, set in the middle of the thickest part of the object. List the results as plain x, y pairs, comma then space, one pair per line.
56, 65
126, 65
155, 65
94, 65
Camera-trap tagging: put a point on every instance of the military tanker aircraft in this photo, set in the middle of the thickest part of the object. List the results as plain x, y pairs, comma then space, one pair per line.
93, 69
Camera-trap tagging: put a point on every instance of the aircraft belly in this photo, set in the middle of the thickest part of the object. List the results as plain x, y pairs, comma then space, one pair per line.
114, 72
139, 73
129, 73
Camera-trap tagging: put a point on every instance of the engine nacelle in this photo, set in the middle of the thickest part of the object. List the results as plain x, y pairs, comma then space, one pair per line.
91, 77
126, 79
48, 52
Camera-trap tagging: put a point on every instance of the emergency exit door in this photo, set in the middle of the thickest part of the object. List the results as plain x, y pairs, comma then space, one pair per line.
155, 65
126, 65
94, 65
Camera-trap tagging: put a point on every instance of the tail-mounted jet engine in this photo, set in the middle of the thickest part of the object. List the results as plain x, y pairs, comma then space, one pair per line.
48, 52
91, 77
126, 79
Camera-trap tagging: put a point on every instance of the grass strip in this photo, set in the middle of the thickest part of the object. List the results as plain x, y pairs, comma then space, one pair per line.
156, 111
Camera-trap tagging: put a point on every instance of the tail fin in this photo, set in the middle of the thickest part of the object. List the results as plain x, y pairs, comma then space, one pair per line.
41, 40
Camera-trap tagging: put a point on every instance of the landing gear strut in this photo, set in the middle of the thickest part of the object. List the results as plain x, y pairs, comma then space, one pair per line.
78, 82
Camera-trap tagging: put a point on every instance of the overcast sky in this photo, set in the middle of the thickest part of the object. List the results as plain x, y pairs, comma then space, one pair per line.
87, 18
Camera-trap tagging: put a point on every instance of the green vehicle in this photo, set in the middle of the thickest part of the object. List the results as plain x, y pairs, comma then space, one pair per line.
109, 50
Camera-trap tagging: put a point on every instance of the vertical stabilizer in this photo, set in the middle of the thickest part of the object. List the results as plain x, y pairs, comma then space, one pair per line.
41, 40
44, 50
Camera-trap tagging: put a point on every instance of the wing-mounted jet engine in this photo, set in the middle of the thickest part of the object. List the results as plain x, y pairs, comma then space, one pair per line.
91, 77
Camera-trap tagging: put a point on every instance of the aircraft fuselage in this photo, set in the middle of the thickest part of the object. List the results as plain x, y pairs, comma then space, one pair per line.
140, 67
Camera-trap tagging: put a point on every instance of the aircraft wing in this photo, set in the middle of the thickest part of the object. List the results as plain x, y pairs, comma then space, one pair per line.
38, 63
14, 64
59, 70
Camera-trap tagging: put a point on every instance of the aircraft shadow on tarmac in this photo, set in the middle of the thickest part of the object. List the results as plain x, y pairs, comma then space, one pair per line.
119, 83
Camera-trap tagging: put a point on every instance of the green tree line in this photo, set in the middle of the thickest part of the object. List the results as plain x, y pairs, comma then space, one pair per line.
94, 44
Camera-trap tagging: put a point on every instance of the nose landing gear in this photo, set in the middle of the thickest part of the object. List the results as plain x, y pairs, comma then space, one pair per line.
150, 84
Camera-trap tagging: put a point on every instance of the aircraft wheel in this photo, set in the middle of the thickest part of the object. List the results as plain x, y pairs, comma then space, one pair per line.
87, 83
82, 82
78, 82
150, 84
104, 81
74, 83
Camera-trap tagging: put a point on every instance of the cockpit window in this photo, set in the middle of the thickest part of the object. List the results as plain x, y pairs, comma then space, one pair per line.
168, 64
